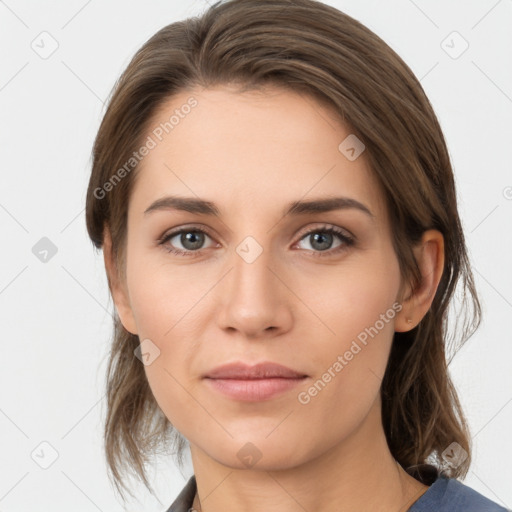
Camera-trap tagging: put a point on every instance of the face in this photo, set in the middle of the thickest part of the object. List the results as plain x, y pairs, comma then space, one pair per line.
314, 291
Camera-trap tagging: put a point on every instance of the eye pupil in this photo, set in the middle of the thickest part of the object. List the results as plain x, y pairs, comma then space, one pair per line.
193, 237
322, 237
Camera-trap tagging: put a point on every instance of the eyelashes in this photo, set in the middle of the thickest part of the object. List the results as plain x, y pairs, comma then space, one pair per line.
332, 232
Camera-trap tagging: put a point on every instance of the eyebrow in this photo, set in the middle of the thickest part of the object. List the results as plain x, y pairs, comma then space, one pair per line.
201, 206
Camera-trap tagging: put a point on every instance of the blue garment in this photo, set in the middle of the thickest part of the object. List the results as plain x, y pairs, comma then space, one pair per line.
450, 495
444, 495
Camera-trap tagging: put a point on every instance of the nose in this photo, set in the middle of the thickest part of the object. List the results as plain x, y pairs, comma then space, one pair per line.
254, 299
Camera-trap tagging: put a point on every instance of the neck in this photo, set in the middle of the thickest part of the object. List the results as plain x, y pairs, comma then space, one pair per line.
359, 473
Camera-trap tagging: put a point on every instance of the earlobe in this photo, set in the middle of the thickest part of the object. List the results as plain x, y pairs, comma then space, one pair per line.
117, 286
430, 257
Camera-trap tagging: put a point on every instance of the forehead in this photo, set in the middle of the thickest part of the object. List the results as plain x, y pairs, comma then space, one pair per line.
263, 147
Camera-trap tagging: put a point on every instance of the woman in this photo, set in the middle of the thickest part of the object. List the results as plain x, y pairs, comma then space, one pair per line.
277, 210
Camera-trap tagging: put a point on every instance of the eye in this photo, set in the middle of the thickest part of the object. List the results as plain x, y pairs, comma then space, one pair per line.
322, 238
191, 238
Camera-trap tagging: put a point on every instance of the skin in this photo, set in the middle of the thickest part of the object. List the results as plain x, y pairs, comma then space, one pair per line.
251, 154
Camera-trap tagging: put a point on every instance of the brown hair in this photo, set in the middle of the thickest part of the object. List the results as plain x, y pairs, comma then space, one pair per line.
311, 48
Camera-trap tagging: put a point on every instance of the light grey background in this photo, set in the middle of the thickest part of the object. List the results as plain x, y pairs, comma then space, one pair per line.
55, 315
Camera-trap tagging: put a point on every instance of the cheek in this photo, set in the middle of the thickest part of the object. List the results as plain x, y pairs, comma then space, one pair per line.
356, 309
164, 302
348, 299
160, 294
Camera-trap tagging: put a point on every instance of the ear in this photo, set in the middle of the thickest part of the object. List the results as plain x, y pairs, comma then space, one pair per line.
429, 254
117, 286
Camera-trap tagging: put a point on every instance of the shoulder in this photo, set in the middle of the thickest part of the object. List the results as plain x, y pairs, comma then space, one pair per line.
462, 496
451, 495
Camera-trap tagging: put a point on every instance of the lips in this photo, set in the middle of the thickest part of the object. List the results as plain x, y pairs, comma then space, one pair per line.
242, 371
244, 383
264, 381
